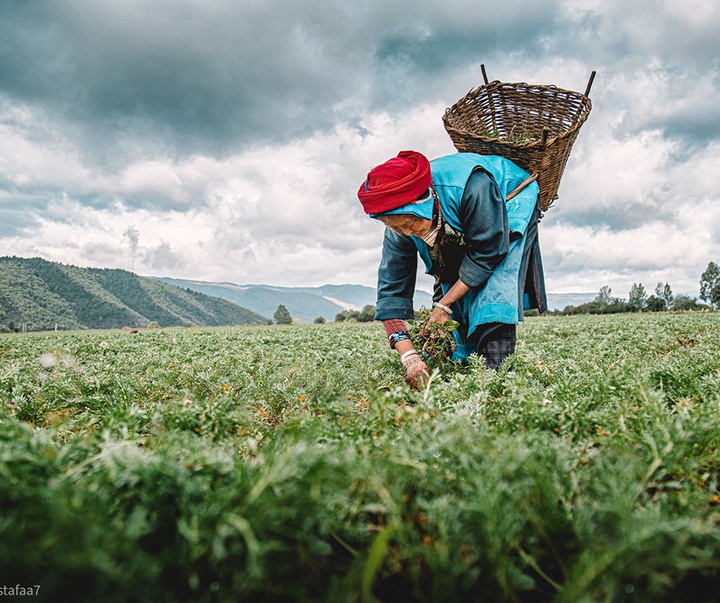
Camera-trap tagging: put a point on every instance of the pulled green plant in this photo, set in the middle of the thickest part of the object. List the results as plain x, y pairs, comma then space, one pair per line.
435, 342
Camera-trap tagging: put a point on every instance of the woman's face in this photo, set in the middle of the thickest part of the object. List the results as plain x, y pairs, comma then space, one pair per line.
407, 224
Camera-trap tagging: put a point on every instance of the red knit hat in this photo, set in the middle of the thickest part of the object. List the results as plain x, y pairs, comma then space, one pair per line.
395, 183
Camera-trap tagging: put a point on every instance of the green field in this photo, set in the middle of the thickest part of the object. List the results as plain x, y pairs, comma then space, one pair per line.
292, 463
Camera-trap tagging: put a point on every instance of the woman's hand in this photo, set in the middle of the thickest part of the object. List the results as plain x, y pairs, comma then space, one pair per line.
438, 315
416, 372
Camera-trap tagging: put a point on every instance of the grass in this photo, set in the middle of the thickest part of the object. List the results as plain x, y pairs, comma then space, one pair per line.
293, 464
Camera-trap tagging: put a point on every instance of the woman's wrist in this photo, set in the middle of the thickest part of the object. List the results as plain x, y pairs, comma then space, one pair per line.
408, 354
403, 346
411, 359
443, 307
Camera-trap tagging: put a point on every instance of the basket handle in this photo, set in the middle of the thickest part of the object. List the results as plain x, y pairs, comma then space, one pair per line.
589, 85
517, 190
587, 89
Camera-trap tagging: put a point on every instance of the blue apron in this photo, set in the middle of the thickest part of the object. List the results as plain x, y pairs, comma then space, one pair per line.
498, 300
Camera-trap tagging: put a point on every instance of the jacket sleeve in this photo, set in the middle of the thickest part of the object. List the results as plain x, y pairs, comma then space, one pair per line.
483, 216
396, 277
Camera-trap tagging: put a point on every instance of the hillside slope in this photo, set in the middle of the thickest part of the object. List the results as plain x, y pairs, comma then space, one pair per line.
40, 295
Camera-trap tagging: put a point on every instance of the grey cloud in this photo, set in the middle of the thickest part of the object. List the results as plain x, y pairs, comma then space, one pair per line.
211, 78
434, 47
661, 65
132, 237
201, 77
163, 257
620, 33
622, 214
693, 128
683, 104
613, 219
17, 214
100, 254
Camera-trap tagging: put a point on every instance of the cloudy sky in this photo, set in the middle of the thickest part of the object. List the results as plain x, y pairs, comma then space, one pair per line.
225, 140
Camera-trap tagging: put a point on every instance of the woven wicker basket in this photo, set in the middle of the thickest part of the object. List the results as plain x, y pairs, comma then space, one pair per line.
534, 126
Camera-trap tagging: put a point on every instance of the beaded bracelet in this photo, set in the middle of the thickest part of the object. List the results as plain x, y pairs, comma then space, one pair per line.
398, 336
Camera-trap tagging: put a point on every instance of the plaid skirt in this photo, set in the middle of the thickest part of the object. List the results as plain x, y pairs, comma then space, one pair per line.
497, 342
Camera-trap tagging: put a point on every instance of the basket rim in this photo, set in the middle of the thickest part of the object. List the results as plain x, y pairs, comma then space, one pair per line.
581, 115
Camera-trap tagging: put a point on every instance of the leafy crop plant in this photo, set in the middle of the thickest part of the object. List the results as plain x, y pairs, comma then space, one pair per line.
292, 463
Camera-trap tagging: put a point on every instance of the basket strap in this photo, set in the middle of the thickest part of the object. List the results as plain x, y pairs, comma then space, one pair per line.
517, 190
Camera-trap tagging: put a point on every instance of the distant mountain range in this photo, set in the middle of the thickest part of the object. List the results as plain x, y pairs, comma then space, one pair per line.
37, 295
305, 304
560, 301
309, 303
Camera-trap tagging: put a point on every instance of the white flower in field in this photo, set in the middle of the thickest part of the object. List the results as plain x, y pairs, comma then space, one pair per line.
68, 361
47, 360
103, 345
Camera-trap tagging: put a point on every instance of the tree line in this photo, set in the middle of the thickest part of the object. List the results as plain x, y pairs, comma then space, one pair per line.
282, 315
661, 300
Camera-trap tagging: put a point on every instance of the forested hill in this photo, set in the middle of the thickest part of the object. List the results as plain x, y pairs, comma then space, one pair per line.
38, 295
